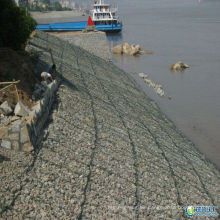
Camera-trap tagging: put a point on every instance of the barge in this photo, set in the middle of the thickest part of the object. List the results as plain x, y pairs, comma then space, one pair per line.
104, 18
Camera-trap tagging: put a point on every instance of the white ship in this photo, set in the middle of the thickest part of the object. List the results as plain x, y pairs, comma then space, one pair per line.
105, 18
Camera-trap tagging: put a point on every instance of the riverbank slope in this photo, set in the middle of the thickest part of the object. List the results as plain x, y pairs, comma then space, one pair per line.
109, 151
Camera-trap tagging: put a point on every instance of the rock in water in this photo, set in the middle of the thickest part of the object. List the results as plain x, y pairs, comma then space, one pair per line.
127, 48
143, 75
117, 50
160, 92
21, 109
5, 108
145, 52
135, 50
179, 66
157, 87
131, 50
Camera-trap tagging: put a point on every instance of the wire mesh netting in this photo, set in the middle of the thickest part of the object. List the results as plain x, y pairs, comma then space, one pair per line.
110, 153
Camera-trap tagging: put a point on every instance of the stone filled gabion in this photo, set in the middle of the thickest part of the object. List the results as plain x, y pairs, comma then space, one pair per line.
109, 153
23, 133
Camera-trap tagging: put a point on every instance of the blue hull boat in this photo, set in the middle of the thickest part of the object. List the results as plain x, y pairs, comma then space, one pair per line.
78, 26
103, 17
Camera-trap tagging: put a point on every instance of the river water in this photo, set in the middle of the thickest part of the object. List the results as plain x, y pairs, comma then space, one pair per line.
186, 30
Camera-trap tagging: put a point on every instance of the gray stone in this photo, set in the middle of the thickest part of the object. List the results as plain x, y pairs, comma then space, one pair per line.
135, 50
27, 147
126, 48
15, 145
14, 136
3, 132
179, 66
24, 136
14, 118
117, 49
6, 144
21, 109
15, 128
5, 108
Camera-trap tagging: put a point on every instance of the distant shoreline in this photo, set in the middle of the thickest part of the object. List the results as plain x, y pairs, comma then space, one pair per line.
58, 16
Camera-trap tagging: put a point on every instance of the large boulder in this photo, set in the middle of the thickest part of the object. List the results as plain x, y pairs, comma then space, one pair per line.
21, 110
179, 66
131, 50
5, 108
117, 49
135, 50
143, 75
126, 48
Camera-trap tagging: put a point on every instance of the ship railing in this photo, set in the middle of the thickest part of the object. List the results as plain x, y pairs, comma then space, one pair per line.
103, 18
103, 10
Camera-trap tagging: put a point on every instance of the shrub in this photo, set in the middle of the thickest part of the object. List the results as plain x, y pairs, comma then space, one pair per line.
16, 25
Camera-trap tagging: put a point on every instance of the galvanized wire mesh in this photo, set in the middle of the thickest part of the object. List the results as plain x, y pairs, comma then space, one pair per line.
111, 152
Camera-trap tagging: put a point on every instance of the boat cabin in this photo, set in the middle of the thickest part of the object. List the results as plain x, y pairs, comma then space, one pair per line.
102, 14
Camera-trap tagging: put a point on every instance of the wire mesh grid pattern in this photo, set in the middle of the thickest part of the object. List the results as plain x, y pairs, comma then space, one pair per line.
111, 153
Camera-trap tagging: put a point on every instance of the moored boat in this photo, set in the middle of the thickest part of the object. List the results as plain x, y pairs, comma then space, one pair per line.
104, 18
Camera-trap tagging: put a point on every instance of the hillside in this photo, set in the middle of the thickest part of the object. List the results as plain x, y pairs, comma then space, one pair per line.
17, 66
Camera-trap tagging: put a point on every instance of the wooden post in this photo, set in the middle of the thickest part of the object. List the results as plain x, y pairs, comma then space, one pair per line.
5, 83
6, 87
51, 56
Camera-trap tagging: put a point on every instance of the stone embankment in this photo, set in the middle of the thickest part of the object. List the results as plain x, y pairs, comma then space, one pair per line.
94, 42
108, 152
22, 131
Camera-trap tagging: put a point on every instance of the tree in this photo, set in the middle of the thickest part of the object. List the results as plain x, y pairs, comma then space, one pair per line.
16, 25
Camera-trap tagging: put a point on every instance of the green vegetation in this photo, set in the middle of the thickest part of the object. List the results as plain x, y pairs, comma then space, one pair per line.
16, 25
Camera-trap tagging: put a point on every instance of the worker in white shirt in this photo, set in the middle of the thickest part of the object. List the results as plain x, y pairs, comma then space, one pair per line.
47, 77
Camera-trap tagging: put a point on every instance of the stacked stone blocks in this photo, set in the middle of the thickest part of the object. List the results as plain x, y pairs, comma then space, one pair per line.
23, 134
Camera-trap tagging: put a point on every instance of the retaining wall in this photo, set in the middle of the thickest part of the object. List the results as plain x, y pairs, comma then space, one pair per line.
23, 133
94, 42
